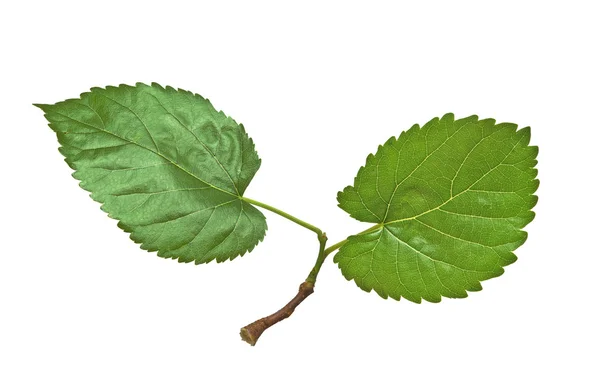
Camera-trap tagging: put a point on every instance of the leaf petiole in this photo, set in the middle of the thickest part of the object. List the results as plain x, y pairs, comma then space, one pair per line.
336, 246
285, 215
312, 277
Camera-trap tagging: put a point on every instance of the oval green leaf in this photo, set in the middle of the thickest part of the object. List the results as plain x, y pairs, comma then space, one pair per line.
169, 167
450, 199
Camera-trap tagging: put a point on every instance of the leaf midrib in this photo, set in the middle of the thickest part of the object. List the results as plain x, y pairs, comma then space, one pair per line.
145, 148
452, 197
382, 225
389, 203
213, 156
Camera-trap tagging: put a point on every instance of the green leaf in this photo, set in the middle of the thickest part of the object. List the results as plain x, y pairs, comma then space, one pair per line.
165, 164
450, 199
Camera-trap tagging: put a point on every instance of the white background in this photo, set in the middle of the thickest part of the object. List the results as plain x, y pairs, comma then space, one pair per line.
318, 86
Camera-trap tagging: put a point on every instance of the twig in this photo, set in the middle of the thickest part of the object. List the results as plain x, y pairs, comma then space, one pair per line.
252, 332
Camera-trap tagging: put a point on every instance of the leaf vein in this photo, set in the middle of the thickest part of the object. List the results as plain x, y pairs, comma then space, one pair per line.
148, 149
213, 156
136, 115
417, 167
433, 259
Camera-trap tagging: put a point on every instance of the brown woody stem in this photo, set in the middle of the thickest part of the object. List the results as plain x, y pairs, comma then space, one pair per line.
250, 333
253, 331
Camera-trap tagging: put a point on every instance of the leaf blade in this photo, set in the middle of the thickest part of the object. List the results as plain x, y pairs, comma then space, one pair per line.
451, 198
165, 164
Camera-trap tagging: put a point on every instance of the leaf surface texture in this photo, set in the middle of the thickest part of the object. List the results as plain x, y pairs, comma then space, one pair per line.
169, 167
451, 198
